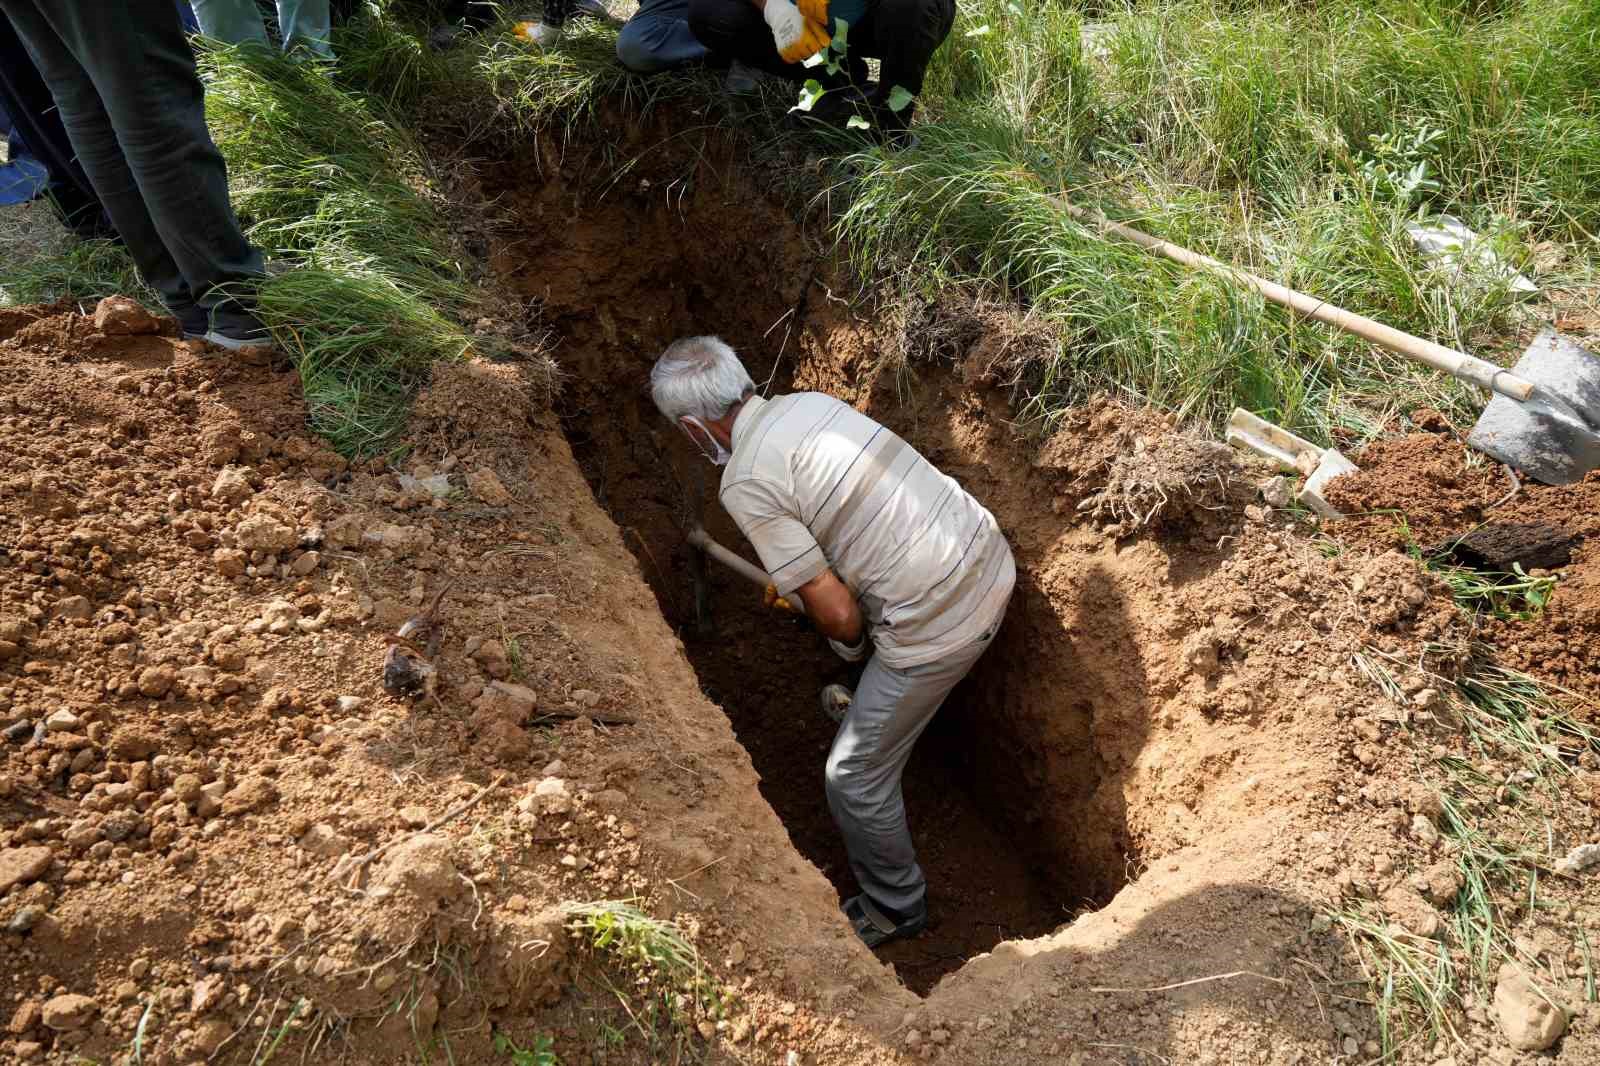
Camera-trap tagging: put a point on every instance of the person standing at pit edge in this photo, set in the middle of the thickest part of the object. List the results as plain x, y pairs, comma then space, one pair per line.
129, 96
886, 554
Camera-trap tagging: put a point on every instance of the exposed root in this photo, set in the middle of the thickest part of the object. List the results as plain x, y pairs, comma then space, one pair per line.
1171, 482
990, 341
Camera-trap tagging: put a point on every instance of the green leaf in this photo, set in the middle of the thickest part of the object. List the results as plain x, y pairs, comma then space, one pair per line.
841, 36
899, 98
856, 122
810, 93
980, 31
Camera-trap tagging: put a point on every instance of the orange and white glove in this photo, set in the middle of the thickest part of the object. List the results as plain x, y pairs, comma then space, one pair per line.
538, 33
814, 10
795, 37
813, 40
770, 598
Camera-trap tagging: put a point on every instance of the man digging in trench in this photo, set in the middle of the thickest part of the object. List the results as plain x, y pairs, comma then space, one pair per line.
879, 547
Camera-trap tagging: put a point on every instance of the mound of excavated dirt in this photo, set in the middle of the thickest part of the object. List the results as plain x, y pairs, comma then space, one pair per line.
200, 770
1429, 491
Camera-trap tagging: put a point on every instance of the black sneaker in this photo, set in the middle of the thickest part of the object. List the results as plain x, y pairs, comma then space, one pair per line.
876, 925
240, 331
229, 327
192, 320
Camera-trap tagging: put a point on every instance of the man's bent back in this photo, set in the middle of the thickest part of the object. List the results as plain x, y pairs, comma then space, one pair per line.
814, 483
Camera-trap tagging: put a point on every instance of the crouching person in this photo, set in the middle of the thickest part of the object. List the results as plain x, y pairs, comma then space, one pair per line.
889, 557
778, 37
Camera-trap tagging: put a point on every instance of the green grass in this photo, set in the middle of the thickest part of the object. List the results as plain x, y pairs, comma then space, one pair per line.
328, 181
1293, 139
1510, 747
86, 270
666, 990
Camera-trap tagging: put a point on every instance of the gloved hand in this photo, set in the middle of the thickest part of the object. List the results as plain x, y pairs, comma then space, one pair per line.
795, 37
814, 11
770, 598
813, 40
851, 653
785, 22
538, 33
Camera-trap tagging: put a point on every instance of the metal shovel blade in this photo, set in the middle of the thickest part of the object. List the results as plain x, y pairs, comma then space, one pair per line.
1554, 436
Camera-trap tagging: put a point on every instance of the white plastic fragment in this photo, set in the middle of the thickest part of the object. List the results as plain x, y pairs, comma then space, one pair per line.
1445, 239
437, 486
1579, 859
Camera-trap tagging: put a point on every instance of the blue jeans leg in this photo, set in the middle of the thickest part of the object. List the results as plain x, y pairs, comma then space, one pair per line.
657, 38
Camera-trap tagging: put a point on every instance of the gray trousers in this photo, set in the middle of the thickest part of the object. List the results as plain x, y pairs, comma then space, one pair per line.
890, 710
306, 25
135, 113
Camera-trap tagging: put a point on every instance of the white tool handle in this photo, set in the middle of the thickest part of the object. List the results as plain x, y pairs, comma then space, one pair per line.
1469, 368
745, 569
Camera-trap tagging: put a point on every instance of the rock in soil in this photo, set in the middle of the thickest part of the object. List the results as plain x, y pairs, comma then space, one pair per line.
1528, 1020
121, 316
19, 866
69, 1012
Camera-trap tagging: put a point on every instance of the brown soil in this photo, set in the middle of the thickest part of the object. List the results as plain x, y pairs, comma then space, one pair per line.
1167, 768
1175, 710
1429, 491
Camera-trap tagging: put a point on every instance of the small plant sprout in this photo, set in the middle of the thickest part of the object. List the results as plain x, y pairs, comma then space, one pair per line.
541, 1053
1397, 168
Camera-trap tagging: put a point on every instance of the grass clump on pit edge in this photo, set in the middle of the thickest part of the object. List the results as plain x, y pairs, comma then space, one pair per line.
666, 992
340, 198
1502, 850
329, 182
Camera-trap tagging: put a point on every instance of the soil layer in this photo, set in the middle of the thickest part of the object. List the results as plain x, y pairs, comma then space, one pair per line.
222, 837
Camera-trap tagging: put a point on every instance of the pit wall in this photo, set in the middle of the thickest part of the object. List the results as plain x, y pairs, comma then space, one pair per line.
1095, 733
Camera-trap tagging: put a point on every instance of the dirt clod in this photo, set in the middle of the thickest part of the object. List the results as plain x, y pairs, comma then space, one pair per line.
68, 1012
1528, 1020
121, 316
19, 866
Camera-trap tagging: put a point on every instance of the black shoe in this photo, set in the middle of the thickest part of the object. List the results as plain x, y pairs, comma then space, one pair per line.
876, 925
240, 331
192, 320
228, 328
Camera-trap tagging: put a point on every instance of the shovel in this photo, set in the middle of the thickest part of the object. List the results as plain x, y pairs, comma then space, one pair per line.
1544, 418
701, 541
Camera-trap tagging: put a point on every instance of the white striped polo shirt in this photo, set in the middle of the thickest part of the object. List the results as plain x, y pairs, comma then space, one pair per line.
814, 483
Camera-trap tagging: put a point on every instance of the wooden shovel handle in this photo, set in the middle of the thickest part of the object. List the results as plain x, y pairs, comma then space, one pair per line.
747, 570
1469, 368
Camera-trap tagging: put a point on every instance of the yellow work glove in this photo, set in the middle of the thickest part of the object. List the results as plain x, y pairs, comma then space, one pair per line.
814, 10
813, 39
770, 598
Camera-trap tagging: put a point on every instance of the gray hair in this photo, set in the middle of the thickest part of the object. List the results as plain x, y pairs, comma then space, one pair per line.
699, 376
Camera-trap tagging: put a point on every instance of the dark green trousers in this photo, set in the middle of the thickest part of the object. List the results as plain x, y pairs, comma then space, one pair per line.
124, 79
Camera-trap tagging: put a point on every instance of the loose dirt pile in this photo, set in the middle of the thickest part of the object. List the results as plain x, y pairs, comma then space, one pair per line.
1426, 492
198, 753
